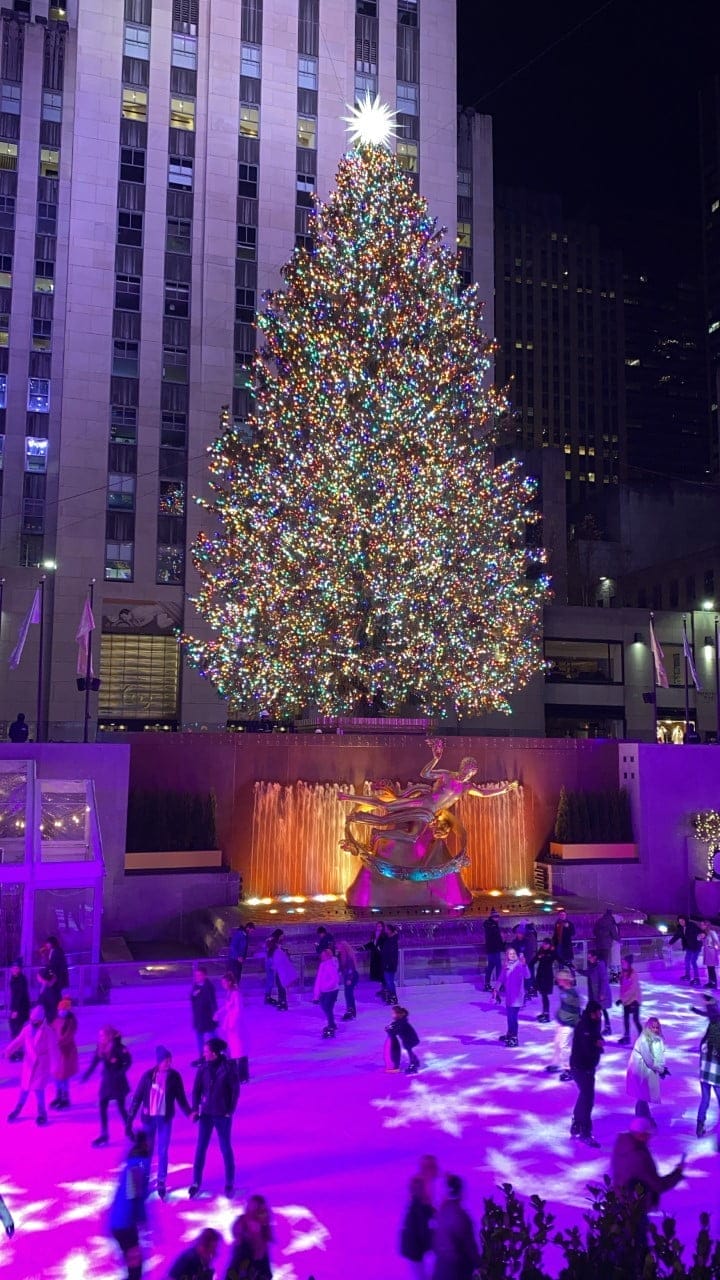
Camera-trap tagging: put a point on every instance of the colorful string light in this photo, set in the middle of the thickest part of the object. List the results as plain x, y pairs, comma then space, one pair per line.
365, 536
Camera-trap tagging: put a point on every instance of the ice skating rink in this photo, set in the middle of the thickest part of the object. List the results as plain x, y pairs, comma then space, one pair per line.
332, 1140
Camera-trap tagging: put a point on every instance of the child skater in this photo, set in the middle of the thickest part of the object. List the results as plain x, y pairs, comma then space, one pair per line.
114, 1059
401, 1032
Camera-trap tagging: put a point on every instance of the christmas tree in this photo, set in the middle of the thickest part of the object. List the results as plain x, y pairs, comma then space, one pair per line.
365, 537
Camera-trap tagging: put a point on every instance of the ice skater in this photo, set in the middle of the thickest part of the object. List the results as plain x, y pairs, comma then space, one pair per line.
513, 976
252, 1236
66, 1061
198, 1262
35, 1042
19, 1005
214, 1099
114, 1059
283, 969
599, 985
568, 1016
630, 998
6, 1219
390, 958
587, 1046
646, 1066
203, 1002
231, 1027
494, 947
327, 985
159, 1091
403, 1035
709, 1065
349, 978
128, 1211
416, 1233
239, 946
545, 977
374, 948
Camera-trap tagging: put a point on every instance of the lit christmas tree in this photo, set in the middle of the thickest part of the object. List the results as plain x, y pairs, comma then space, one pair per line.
366, 539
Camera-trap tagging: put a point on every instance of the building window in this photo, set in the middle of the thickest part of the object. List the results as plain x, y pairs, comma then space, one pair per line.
41, 334
4, 333
46, 218
171, 501
245, 306
52, 106
139, 673
123, 424
464, 186
173, 430
464, 236
36, 452
408, 13
177, 299
2, 450
130, 228
709, 583
127, 293
5, 271
182, 114
10, 99
175, 364
247, 180
365, 85
249, 122
44, 283
118, 563
170, 563
305, 186
121, 492
38, 396
3, 390
132, 164
247, 243
250, 61
125, 359
407, 156
584, 661
180, 173
184, 52
49, 162
307, 131
307, 72
179, 235
134, 104
8, 155
7, 212
137, 42
407, 98
367, 8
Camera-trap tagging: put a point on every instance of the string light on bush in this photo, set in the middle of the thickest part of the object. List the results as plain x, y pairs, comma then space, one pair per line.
362, 535
707, 828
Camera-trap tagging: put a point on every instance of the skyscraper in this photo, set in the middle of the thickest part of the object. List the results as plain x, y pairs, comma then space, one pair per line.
157, 164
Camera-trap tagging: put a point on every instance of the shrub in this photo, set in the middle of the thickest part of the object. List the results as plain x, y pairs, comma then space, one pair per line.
587, 817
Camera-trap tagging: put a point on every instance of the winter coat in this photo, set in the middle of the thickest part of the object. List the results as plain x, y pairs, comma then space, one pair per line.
374, 946
587, 1045
49, 999
174, 1094
562, 937
454, 1245
599, 983
239, 943
493, 935
216, 1088
687, 935
231, 1026
390, 953
243, 1266
19, 1000
645, 1066
115, 1063
568, 1012
632, 1165
545, 972
324, 940
284, 967
605, 932
204, 1006
65, 1058
512, 981
630, 991
190, 1266
327, 978
530, 943
711, 947
403, 1030
416, 1231
57, 964
128, 1206
36, 1043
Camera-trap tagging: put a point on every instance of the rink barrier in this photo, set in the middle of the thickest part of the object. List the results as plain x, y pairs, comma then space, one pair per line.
418, 965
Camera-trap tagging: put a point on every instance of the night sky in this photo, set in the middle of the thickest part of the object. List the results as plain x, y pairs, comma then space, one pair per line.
608, 117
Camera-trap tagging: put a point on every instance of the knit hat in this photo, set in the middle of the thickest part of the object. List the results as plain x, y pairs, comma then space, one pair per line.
37, 1014
216, 1045
641, 1124
161, 1053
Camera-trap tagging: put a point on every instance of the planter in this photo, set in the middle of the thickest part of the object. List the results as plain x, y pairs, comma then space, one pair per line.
595, 852
175, 860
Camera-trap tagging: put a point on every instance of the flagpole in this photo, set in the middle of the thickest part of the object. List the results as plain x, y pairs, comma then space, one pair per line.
88, 667
41, 635
687, 683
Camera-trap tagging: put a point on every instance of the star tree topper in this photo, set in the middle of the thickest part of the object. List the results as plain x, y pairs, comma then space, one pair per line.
371, 122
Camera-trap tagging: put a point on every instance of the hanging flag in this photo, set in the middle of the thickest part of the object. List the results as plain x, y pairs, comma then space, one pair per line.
658, 659
690, 660
86, 625
33, 615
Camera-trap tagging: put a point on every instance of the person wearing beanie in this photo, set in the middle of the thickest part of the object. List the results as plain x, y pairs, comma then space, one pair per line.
160, 1090
587, 1046
709, 1065
214, 1099
35, 1042
568, 1016
19, 1004
66, 1061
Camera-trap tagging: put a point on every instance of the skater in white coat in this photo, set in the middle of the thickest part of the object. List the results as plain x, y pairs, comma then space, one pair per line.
646, 1066
231, 1027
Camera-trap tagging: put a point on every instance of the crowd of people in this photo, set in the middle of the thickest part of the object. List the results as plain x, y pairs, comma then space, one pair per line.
436, 1232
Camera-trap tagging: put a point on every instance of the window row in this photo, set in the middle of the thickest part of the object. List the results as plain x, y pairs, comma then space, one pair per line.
122, 489
38, 394
10, 95
49, 164
119, 557
130, 231
123, 427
